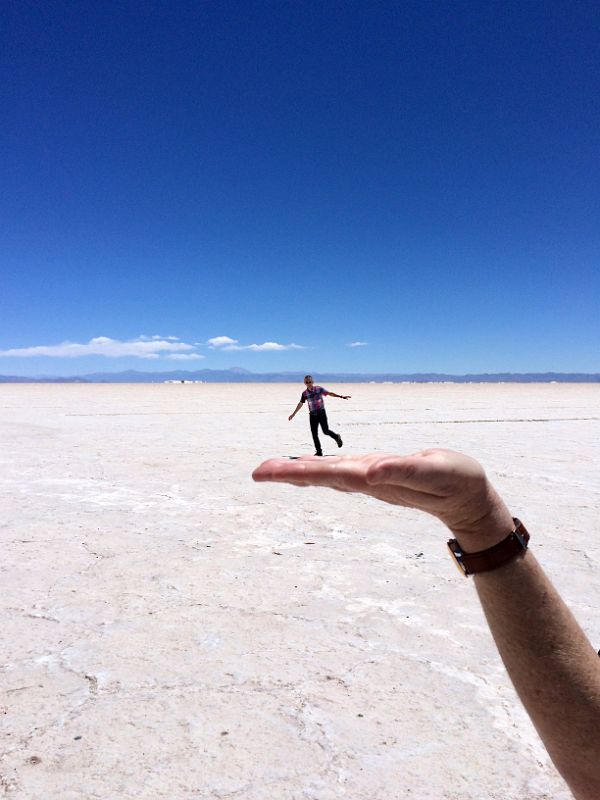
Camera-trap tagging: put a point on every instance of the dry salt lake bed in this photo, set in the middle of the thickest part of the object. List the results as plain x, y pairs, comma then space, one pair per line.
172, 630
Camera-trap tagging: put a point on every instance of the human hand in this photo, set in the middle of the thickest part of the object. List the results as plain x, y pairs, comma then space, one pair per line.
444, 483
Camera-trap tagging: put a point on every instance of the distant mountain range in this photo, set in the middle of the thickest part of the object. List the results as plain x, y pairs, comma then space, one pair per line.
239, 375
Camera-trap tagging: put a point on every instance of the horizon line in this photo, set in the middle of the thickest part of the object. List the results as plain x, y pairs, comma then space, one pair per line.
241, 372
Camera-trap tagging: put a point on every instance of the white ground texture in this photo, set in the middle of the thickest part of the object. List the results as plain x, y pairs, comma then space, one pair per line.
172, 630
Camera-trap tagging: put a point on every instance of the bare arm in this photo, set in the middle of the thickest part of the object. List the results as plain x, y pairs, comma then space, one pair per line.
293, 414
341, 396
554, 668
552, 665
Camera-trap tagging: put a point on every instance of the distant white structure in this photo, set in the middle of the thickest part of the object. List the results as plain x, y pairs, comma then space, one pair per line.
183, 381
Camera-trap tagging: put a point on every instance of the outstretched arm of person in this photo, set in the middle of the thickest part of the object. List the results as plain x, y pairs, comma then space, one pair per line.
552, 665
295, 411
341, 396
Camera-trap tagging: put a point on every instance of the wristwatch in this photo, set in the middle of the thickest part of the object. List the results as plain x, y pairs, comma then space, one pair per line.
485, 560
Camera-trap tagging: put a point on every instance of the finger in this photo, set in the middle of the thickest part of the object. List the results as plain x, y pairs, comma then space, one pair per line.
280, 469
409, 472
431, 471
305, 471
338, 472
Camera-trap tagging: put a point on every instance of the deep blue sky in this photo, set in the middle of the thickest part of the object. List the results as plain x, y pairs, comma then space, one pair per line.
419, 177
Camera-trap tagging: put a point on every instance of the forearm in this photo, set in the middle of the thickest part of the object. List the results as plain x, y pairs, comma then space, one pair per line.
552, 665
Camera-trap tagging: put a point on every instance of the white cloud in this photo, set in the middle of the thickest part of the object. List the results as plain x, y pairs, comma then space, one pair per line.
222, 341
142, 347
185, 356
273, 346
227, 343
358, 344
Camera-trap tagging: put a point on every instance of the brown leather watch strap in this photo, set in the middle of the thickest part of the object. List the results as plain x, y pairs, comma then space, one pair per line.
485, 560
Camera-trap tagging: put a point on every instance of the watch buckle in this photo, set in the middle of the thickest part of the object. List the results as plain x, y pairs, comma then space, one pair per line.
518, 535
456, 554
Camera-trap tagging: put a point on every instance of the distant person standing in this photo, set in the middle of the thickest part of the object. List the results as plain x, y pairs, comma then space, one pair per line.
317, 415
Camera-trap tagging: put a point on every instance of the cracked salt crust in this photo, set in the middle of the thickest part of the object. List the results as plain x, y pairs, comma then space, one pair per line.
156, 646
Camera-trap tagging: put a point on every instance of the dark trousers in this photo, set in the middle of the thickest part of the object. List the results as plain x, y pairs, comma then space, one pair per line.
316, 419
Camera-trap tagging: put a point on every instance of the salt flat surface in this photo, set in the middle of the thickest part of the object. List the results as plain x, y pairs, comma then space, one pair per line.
172, 630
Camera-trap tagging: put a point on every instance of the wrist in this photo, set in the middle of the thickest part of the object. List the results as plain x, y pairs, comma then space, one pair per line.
490, 529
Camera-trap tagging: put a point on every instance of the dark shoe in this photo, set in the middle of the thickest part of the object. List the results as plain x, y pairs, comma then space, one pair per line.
318, 454
338, 439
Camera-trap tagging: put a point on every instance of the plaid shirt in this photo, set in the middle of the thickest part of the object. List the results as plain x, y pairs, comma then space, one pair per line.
315, 398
